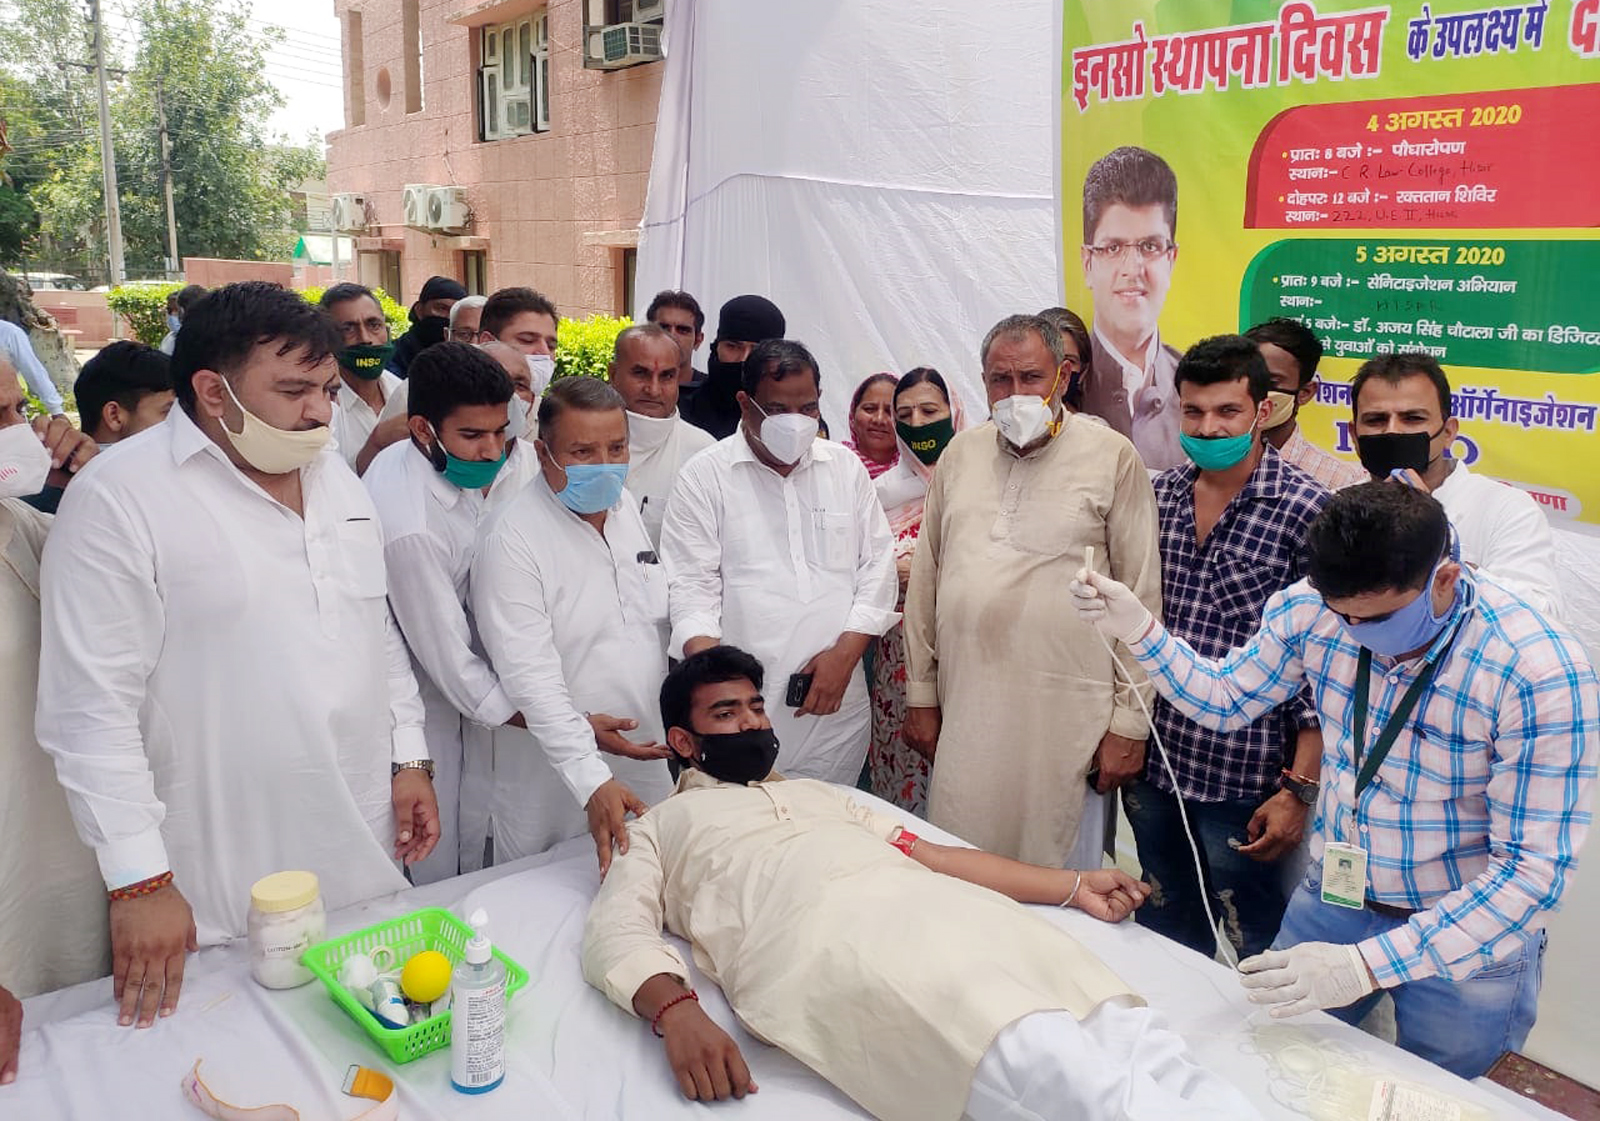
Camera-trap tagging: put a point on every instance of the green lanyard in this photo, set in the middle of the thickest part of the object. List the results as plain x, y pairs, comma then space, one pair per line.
1397, 720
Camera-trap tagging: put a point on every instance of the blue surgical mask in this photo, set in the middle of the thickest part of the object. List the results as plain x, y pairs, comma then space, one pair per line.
592, 487
173, 322
1413, 627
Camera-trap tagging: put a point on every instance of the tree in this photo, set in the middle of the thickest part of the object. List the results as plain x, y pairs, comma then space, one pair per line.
200, 63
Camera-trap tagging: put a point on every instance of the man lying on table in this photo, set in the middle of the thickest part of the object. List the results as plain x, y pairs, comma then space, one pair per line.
919, 995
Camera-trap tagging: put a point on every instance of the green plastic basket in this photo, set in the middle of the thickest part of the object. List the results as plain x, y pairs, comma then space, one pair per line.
433, 928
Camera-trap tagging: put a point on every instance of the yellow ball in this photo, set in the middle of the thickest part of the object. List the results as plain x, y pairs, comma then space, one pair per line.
426, 977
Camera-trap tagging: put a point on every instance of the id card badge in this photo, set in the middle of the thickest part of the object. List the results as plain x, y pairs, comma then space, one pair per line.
1344, 875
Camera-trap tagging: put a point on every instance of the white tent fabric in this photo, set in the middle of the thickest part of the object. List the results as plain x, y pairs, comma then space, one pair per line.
876, 167
885, 171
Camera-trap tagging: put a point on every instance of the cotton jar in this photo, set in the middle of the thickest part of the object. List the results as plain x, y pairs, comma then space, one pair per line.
286, 919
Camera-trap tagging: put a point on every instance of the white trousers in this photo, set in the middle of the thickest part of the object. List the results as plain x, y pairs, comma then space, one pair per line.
1120, 1062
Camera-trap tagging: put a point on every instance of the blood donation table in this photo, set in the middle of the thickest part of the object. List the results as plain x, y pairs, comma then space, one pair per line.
570, 1053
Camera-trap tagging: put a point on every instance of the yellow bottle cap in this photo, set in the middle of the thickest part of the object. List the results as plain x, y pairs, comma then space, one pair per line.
283, 891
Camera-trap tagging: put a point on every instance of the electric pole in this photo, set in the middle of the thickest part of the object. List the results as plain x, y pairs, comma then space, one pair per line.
108, 154
166, 180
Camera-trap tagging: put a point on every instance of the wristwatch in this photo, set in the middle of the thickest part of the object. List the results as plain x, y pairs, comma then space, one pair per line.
425, 765
1301, 787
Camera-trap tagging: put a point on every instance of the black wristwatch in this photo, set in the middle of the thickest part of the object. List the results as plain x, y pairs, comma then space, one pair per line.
1302, 788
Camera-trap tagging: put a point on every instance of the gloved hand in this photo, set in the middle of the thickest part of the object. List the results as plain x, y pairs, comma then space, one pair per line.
1109, 606
1307, 977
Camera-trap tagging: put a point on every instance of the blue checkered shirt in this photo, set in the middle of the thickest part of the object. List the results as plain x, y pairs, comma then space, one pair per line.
1475, 818
1211, 597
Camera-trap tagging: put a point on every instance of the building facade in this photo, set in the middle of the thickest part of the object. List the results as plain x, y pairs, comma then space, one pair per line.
500, 142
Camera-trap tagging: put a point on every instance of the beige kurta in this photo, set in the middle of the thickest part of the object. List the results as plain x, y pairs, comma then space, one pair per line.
1025, 686
887, 979
53, 925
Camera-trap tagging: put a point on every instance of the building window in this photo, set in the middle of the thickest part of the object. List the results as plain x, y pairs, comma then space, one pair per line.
474, 272
355, 65
514, 78
411, 36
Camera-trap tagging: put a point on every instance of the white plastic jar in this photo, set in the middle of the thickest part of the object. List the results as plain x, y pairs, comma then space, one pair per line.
286, 919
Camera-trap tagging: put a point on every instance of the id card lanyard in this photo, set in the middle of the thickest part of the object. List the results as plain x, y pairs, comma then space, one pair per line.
1344, 881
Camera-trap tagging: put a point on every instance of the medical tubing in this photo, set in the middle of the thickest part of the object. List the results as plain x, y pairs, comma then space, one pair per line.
1223, 945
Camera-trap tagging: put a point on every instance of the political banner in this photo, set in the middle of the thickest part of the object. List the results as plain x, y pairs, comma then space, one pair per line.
1405, 177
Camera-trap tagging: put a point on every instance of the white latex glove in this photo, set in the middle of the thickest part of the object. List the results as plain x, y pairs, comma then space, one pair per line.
1110, 606
1307, 977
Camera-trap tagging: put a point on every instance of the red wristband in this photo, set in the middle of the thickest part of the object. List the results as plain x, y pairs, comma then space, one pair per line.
662, 1011
905, 842
143, 887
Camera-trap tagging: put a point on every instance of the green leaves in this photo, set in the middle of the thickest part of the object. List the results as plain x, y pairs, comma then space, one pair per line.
584, 346
202, 64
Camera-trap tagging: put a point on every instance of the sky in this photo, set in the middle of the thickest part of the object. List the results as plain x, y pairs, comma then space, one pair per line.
305, 65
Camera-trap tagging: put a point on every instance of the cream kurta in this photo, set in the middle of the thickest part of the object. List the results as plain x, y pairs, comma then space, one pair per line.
53, 922
1026, 688
819, 934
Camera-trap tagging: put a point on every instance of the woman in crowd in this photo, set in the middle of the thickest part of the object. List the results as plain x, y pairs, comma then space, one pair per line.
872, 424
926, 416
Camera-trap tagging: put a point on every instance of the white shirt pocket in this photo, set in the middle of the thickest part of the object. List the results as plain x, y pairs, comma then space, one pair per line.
835, 541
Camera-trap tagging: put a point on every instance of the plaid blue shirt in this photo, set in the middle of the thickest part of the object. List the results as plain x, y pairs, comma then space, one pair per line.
1475, 818
1211, 597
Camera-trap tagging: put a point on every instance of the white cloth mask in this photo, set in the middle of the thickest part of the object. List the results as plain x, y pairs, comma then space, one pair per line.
647, 433
24, 462
274, 451
541, 368
519, 416
1022, 418
788, 435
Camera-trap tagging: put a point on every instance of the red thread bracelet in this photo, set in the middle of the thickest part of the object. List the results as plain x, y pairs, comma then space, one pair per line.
143, 887
679, 999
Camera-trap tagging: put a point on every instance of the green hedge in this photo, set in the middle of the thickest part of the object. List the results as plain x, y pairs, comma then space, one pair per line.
145, 307
584, 346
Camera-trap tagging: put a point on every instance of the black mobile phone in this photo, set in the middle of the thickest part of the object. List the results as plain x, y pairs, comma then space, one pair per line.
1092, 777
799, 686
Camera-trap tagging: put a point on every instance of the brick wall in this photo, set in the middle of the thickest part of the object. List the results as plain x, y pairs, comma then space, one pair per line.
533, 197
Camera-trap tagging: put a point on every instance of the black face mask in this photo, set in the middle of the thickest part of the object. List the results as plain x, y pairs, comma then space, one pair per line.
432, 329
741, 757
1385, 452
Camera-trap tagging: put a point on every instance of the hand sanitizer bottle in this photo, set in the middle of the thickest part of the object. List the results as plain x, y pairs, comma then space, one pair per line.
478, 1015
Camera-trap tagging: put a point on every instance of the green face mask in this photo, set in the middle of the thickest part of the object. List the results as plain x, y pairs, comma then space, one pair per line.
367, 360
1217, 453
468, 474
927, 442
472, 474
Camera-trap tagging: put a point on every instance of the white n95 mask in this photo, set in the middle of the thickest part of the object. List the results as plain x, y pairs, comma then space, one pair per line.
1021, 418
541, 368
788, 435
24, 462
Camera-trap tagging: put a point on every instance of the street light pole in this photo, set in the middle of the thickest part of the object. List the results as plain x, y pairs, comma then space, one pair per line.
108, 154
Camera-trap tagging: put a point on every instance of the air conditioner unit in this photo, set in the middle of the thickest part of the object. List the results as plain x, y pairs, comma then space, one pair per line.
649, 9
347, 213
447, 209
414, 199
625, 44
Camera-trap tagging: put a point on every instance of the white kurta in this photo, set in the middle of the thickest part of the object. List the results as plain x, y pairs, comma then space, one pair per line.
658, 447
781, 567
430, 531
353, 419
52, 903
221, 682
574, 623
1504, 532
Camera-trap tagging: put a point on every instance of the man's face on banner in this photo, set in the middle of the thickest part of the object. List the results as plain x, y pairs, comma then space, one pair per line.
1128, 267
